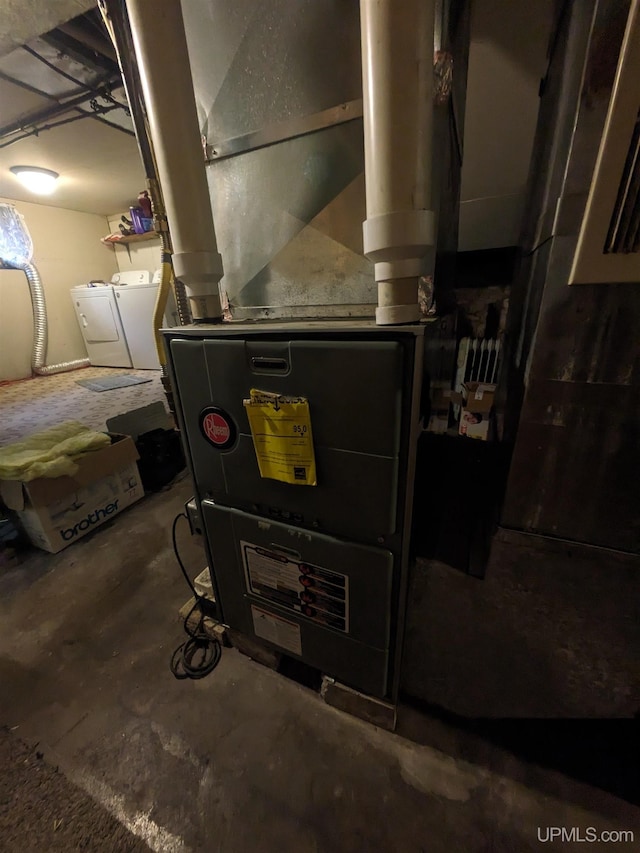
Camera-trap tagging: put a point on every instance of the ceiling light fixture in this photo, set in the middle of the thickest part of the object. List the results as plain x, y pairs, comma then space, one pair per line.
35, 179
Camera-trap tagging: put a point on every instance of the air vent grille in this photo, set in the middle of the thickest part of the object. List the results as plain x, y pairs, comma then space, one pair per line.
608, 247
624, 228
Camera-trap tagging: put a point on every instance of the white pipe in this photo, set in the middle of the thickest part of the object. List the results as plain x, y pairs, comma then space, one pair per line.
397, 78
163, 63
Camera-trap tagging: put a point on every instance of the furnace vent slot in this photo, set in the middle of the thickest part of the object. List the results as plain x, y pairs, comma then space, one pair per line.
269, 365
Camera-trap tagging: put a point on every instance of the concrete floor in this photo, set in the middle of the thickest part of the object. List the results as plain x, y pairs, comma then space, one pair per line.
244, 759
32, 405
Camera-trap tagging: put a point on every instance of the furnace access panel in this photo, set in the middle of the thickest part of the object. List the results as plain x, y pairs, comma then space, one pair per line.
311, 569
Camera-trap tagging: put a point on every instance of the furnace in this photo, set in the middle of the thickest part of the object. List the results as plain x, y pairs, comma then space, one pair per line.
300, 407
315, 571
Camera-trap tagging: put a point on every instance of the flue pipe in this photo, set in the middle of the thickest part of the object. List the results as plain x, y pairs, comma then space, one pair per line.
163, 62
397, 78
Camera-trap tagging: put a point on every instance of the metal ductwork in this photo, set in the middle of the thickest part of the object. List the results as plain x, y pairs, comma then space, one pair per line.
269, 270
397, 79
41, 328
16, 252
163, 63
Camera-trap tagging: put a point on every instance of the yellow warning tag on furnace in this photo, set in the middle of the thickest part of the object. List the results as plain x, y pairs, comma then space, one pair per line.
281, 430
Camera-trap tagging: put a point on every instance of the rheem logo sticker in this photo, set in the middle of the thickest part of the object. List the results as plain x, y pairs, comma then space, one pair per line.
217, 427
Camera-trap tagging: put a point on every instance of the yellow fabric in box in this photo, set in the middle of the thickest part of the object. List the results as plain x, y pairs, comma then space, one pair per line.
282, 437
50, 453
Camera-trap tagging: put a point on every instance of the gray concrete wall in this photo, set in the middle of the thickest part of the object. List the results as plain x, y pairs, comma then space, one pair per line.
552, 631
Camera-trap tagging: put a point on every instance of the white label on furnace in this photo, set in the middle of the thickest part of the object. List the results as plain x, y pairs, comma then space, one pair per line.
314, 592
278, 631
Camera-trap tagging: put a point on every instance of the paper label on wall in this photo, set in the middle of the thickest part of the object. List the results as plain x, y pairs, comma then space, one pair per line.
282, 438
318, 594
276, 630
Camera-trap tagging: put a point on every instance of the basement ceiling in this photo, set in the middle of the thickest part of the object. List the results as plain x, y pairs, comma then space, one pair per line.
62, 107
22, 20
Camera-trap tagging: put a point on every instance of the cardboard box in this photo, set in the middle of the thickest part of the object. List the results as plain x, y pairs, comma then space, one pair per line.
476, 413
56, 512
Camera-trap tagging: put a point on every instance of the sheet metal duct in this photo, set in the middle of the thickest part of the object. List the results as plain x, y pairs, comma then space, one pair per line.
41, 329
288, 212
16, 252
288, 215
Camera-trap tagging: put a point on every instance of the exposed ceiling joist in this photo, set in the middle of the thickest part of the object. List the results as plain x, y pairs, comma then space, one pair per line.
27, 87
78, 56
93, 40
80, 52
98, 112
31, 120
55, 75
23, 20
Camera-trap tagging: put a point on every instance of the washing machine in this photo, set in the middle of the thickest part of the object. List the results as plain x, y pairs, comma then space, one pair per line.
136, 302
99, 319
101, 327
131, 277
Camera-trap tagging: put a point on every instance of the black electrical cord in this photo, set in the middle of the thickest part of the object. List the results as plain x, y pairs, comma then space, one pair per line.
200, 653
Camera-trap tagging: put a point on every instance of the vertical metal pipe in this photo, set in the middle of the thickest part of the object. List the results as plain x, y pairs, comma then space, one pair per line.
163, 62
397, 76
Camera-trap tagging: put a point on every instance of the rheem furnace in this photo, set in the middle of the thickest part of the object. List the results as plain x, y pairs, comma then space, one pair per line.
318, 571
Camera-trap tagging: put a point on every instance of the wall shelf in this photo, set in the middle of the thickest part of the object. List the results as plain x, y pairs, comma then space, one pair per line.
121, 240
